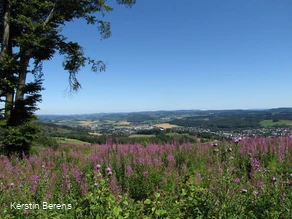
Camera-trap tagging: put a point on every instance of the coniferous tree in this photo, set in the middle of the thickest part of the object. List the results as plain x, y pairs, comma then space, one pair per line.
31, 32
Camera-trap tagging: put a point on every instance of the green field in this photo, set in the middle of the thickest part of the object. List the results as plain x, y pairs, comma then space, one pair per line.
267, 123
174, 134
69, 141
141, 136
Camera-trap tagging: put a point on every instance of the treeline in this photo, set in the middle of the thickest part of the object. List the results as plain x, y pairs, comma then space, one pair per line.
138, 118
218, 124
281, 116
155, 131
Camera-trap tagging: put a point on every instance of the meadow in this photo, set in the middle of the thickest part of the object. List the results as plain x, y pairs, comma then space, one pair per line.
244, 178
69, 141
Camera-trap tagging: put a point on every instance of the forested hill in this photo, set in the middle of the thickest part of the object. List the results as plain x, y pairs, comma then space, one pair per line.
233, 119
213, 118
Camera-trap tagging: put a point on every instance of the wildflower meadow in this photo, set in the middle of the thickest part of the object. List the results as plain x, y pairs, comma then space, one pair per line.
244, 178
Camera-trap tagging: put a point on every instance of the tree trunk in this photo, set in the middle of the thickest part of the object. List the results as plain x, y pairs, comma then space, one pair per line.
9, 104
6, 50
19, 106
24, 60
6, 27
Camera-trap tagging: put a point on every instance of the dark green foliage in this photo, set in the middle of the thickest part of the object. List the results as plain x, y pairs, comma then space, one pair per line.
20, 130
139, 118
47, 141
18, 139
218, 123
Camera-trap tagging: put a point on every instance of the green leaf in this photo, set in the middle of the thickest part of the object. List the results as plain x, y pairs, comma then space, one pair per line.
183, 192
147, 202
160, 212
117, 210
157, 195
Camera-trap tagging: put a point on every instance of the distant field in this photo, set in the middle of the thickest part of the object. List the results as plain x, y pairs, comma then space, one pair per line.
110, 121
172, 134
267, 123
141, 136
124, 123
62, 130
92, 133
165, 125
69, 141
76, 122
88, 122
68, 122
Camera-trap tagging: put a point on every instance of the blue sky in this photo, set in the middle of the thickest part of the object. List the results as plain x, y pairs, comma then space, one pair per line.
188, 54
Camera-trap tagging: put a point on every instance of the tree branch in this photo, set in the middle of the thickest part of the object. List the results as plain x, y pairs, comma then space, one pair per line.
49, 16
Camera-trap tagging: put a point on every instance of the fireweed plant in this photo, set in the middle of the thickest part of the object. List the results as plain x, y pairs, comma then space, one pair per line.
244, 178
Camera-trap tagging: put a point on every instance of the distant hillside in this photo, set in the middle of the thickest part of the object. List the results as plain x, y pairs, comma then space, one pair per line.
218, 119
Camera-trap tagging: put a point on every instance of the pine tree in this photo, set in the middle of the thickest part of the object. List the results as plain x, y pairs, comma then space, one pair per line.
31, 32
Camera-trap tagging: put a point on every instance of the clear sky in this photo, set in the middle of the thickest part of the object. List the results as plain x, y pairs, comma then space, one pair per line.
188, 54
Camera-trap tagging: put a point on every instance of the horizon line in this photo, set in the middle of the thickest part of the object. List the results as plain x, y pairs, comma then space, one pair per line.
144, 111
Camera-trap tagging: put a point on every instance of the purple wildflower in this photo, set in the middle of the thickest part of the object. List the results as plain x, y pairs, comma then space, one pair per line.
78, 176
281, 153
261, 185
109, 173
171, 160
11, 184
255, 163
128, 170
108, 169
34, 178
243, 191
98, 166
199, 177
274, 179
237, 180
